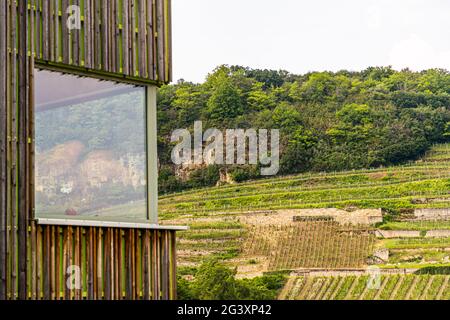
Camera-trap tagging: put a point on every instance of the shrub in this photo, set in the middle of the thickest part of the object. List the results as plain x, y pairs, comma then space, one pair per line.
215, 281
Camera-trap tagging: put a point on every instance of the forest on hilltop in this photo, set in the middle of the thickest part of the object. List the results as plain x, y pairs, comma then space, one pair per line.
328, 121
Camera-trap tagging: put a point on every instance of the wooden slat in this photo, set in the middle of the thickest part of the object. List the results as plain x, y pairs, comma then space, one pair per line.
132, 43
52, 263
100, 283
69, 252
133, 264
138, 263
47, 263
76, 40
156, 265
77, 258
51, 28
23, 148
38, 29
3, 145
142, 39
66, 56
112, 36
34, 294
151, 52
160, 39
128, 266
30, 161
117, 35
13, 158
94, 263
58, 263
104, 36
66, 293
120, 262
45, 30
108, 269
39, 262
146, 265
165, 265
173, 265
115, 263
56, 35
88, 33
97, 35
90, 264
169, 62
125, 37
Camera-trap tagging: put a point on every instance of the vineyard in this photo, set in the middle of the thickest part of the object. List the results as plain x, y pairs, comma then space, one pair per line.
388, 287
397, 218
391, 188
310, 244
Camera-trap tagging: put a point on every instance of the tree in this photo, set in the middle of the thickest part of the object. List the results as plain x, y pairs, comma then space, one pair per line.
225, 102
214, 281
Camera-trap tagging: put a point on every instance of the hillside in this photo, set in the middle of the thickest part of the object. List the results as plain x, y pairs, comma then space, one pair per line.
328, 121
395, 218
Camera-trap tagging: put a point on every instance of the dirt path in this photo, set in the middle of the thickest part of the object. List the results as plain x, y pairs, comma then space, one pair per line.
396, 288
411, 288
443, 287
284, 294
425, 290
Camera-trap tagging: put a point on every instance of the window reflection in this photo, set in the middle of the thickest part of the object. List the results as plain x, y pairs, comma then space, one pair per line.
90, 148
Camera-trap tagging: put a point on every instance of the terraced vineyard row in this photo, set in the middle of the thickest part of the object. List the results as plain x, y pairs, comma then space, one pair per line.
388, 287
423, 168
390, 188
310, 244
313, 184
398, 196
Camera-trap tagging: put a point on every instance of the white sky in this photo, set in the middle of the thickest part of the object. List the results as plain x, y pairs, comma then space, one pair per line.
314, 35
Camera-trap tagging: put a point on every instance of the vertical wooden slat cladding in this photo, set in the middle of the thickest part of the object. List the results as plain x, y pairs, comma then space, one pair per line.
124, 37
120, 39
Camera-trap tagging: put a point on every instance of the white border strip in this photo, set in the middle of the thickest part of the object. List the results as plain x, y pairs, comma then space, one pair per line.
107, 224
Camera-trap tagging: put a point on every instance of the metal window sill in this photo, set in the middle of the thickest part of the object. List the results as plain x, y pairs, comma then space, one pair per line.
107, 224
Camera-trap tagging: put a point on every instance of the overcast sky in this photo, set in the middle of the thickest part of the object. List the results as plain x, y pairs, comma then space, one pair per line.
315, 35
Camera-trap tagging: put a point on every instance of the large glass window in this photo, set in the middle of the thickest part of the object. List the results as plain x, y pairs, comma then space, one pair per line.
90, 146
